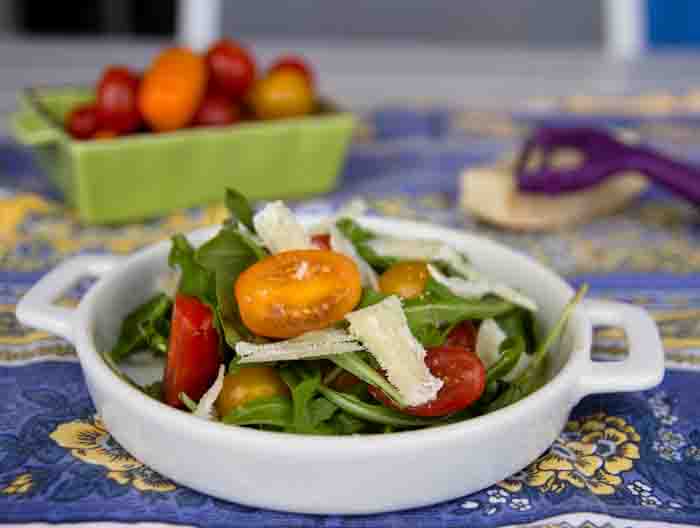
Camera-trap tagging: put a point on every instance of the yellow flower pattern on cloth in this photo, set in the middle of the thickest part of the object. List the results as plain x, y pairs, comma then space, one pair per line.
20, 485
90, 442
590, 454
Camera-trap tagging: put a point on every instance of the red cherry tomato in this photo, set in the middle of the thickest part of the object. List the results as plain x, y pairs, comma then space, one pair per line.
83, 122
231, 68
217, 110
117, 100
193, 352
463, 335
294, 62
463, 375
321, 241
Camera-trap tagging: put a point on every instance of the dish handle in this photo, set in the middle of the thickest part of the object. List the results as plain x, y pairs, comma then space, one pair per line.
29, 128
37, 308
643, 368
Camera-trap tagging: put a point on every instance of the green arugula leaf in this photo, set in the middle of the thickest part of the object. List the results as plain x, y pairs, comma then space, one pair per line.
346, 424
196, 280
239, 207
519, 322
509, 354
353, 231
302, 395
226, 256
228, 249
373, 413
425, 314
154, 390
147, 326
274, 411
535, 375
354, 364
321, 410
358, 236
370, 297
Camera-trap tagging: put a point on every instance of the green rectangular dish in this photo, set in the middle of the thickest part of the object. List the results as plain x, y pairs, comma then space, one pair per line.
145, 175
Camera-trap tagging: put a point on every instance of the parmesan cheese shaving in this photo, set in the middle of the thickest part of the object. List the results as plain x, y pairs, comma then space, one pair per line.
279, 229
205, 408
488, 342
319, 343
384, 331
479, 287
342, 245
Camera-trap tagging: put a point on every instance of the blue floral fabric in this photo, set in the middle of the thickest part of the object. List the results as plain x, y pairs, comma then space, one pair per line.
47, 471
622, 458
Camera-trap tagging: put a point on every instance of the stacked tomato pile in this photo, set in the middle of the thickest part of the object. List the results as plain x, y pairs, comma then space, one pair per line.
182, 89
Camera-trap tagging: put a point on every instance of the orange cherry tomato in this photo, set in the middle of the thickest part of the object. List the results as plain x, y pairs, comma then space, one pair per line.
294, 62
293, 292
172, 89
405, 279
193, 351
282, 93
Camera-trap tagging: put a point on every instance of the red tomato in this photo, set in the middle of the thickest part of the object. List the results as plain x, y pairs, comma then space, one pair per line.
117, 100
463, 335
217, 110
321, 241
231, 68
463, 375
82, 122
295, 62
193, 353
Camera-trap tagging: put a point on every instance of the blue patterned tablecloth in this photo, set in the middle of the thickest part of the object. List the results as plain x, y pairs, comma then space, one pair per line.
623, 460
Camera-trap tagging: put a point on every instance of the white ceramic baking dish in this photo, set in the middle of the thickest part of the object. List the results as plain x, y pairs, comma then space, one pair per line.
357, 474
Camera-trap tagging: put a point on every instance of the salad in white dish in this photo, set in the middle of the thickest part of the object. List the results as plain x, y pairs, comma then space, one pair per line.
334, 329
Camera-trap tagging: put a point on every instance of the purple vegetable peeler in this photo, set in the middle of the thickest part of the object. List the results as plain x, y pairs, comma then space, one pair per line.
603, 156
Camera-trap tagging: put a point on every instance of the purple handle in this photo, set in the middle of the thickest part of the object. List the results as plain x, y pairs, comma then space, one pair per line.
680, 178
604, 157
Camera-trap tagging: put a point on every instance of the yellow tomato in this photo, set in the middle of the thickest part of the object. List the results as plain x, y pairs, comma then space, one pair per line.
293, 292
405, 279
248, 384
282, 93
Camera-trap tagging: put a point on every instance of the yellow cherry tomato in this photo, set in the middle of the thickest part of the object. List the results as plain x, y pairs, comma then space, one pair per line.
405, 279
289, 293
282, 93
248, 384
